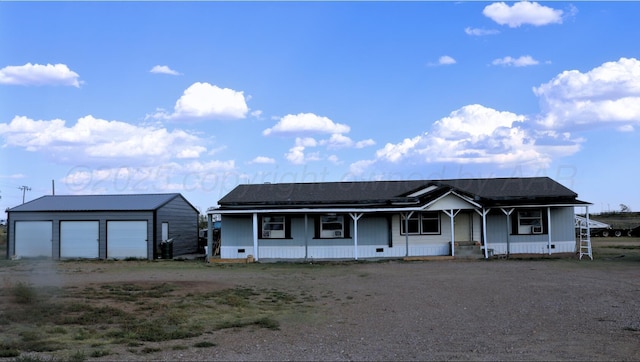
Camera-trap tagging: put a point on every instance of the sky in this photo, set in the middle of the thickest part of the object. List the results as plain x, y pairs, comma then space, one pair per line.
198, 97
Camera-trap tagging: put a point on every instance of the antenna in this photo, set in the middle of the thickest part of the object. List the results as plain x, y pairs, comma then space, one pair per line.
24, 190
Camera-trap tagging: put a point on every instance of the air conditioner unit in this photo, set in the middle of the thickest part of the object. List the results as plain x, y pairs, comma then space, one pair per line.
337, 233
536, 229
266, 234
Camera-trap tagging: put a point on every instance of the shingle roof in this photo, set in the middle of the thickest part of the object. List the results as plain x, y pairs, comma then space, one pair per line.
320, 193
131, 202
489, 191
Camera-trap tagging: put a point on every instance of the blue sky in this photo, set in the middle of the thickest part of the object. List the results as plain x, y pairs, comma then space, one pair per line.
197, 97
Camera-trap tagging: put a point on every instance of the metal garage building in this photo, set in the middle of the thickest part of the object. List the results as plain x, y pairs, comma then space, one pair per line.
102, 226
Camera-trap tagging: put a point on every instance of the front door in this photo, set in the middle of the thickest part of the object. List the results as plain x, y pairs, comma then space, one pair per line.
462, 227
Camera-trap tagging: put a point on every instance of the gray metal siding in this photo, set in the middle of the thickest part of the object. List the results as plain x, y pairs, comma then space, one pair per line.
237, 231
372, 230
102, 217
562, 227
183, 226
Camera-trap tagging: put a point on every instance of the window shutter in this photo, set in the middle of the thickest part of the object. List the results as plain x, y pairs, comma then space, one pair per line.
514, 222
260, 227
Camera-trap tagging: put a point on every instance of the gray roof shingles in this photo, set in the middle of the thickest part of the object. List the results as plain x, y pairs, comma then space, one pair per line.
490, 191
128, 202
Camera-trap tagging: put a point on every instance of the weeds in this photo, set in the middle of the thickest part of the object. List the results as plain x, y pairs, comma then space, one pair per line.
24, 293
77, 324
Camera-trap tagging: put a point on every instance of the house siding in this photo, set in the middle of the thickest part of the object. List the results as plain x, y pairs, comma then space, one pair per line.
183, 226
562, 234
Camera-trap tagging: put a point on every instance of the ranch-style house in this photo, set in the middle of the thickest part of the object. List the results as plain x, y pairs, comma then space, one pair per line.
395, 219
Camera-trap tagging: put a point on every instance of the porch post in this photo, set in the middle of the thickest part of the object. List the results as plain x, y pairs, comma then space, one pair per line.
407, 215
452, 214
508, 213
484, 213
355, 218
549, 229
209, 237
306, 237
255, 236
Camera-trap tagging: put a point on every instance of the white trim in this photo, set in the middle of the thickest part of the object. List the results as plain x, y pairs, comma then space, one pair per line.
355, 218
423, 191
463, 198
255, 236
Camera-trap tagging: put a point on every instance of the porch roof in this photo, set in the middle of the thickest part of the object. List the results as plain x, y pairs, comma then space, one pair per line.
395, 195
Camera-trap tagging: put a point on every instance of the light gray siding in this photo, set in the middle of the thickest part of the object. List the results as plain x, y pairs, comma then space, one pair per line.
561, 226
183, 226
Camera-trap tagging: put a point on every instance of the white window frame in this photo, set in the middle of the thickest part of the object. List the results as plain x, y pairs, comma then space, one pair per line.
332, 232
530, 224
419, 217
274, 227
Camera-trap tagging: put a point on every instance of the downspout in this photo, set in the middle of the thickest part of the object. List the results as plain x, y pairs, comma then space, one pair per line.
255, 236
549, 228
210, 237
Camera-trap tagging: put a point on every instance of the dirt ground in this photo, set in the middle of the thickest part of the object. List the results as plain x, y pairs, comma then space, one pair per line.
516, 309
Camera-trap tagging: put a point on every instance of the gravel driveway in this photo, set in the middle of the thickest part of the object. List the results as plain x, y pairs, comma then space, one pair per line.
545, 309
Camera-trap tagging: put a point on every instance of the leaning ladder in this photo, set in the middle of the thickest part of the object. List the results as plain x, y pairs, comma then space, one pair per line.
584, 245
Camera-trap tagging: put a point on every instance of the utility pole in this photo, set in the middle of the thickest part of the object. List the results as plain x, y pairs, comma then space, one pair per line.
24, 190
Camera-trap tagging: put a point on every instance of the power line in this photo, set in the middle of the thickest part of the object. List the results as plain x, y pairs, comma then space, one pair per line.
24, 190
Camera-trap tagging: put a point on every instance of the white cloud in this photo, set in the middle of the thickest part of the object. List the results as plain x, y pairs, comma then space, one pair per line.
37, 74
306, 123
446, 60
607, 94
523, 61
161, 177
206, 101
296, 154
443, 60
99, 139
475, 134
341, 141
263, 160
523, 12
480, 32
163, 69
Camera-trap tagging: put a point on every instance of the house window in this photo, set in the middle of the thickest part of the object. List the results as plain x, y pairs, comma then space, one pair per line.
530, 221
273, 227
332, 226
424, 223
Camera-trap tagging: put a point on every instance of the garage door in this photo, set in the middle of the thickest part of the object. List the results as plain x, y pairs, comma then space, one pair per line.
79, 239
33, 239
126, 239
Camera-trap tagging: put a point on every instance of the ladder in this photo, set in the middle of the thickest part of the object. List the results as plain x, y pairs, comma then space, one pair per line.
584, 238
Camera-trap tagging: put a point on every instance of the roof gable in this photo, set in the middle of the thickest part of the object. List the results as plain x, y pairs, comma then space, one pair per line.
124, 202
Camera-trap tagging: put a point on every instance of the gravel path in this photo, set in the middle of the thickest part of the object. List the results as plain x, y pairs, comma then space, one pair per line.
446, 310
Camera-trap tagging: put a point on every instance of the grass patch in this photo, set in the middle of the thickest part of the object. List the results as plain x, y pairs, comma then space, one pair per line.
68, 324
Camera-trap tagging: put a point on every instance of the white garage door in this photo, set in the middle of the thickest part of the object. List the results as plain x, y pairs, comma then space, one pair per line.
79, 239
126, 239
33, 239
